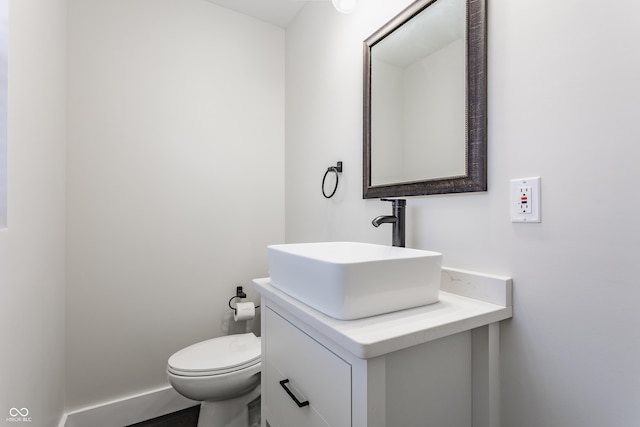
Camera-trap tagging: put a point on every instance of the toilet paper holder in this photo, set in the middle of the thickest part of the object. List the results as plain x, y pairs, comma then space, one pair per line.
239, 295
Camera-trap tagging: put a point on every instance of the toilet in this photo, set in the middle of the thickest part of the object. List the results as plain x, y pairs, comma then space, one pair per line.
223, 373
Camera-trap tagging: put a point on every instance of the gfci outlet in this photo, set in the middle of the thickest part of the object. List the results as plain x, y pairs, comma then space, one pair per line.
525, 200
523, 205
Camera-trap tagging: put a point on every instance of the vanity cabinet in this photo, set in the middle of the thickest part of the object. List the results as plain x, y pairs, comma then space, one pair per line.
433, 365
318, 379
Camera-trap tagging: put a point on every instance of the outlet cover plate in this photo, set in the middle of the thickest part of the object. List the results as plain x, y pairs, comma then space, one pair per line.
525, 200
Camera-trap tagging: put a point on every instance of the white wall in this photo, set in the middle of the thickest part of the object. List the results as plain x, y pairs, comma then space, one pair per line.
32, 255
175, 170
563, 97
4, 71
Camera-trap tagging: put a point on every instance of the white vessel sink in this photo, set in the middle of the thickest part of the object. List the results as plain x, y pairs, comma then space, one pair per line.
347, 280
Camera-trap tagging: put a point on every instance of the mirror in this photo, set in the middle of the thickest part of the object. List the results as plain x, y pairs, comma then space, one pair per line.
425, 101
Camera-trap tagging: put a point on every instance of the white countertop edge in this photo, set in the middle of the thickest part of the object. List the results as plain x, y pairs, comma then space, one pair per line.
378, 335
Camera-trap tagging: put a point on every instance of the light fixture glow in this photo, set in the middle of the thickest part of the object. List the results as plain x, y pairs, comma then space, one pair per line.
344, 6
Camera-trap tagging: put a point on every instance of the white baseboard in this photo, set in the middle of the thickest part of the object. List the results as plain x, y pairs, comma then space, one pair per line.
129, 410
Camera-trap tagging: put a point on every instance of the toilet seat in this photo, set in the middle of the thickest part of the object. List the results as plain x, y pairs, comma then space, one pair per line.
216, 356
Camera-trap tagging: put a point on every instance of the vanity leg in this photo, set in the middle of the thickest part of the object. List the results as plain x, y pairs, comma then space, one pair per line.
494, 375
486, 376
369, 393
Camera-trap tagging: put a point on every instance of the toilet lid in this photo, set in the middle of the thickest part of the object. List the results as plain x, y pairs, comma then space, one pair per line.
217, 356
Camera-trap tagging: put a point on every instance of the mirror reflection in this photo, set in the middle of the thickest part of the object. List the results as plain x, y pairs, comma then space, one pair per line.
418, 106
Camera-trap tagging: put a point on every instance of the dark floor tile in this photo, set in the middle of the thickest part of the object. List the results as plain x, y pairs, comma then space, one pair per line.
184, 418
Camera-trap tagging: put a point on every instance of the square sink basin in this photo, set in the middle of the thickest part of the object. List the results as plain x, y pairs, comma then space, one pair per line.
348, 280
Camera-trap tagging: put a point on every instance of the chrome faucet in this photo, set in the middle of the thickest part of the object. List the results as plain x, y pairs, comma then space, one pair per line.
397, 219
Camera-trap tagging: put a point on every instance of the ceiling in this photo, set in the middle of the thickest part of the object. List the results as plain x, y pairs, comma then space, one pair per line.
277, 12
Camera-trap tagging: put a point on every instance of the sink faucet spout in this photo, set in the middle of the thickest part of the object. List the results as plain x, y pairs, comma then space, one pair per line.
383, 219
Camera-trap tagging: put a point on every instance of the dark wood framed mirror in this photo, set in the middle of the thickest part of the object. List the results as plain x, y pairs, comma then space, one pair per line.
425, 101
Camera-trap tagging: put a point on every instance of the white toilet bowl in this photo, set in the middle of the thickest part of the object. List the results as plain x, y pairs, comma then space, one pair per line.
221, 373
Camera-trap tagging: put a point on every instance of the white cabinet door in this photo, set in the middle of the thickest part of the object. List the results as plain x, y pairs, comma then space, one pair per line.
310, 372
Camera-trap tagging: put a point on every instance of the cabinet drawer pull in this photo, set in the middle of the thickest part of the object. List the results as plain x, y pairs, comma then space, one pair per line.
284, 383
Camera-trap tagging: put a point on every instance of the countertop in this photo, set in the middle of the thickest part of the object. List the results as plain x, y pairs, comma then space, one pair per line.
463, 305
